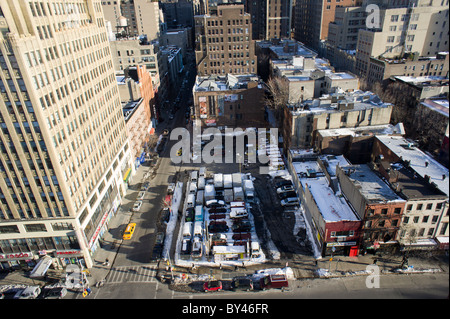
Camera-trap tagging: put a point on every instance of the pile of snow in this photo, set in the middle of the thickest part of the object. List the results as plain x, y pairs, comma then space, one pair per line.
176, 202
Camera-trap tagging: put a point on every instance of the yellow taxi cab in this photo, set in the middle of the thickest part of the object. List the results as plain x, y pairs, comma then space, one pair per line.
180, 152
129, 231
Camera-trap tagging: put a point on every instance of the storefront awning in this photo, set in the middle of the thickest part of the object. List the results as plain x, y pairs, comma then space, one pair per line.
41, 268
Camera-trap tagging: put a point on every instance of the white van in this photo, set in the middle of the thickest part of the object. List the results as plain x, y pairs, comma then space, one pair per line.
201, 183
200, 197
192, 188
191, 200
238, 212
187, 230
198, 229
202, 172
256, 249
194, 176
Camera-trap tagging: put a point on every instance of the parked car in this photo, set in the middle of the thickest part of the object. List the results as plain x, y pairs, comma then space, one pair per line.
287, 194
217, 216
242, 227
31, 292
145, 186
189, 214
214, 285
137, 206
219, 239
284, 189
217, 210
171, 188
159, 245
238, 213
218, 228
165, 215
54, 293
215, 203
283, 183
141, 195
290, 201
240, 283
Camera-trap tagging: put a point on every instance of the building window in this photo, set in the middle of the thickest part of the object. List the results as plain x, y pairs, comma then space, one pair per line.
35, 228
9, 229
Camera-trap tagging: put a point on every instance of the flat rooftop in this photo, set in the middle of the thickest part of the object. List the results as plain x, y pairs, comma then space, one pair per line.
370, 185
404, 148
412, 186
224, 83
438, 105
332, 207
386, 129
358, 100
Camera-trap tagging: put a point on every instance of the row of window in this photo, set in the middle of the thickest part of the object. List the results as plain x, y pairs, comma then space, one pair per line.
37, 244
30, 228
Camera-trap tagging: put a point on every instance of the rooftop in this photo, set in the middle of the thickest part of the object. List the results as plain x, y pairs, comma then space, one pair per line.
370, 185
423, 81
331, 161
439, 105
332, 207
411, 185
417, 159
224, 83
387, 129
336, 102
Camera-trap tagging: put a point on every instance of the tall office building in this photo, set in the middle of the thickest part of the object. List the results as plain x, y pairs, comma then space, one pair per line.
137, 17
313, 17
64, 153
224, 42
270, 19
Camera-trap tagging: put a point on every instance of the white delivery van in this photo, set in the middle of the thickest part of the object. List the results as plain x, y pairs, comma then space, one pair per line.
190, 200
192, 188
201, 183
256, 249
194, 176
202, 172
187, 230
200, 197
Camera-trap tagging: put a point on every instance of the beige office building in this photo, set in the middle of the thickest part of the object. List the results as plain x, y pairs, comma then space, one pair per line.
420, 27
224, 42
141, 17
64, 154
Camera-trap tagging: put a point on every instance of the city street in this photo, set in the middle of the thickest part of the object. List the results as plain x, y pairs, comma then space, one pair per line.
420, 286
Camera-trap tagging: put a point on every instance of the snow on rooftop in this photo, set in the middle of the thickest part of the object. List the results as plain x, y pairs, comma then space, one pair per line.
441, 106
372, 187
332, 161
333, 208
418, 159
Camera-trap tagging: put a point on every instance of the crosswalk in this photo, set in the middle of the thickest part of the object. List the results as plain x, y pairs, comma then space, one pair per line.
132, 274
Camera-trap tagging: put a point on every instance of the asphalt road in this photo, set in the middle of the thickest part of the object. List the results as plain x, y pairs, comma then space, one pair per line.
415, 286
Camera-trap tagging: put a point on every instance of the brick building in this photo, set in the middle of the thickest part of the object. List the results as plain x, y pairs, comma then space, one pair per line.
378, 206
233, 101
